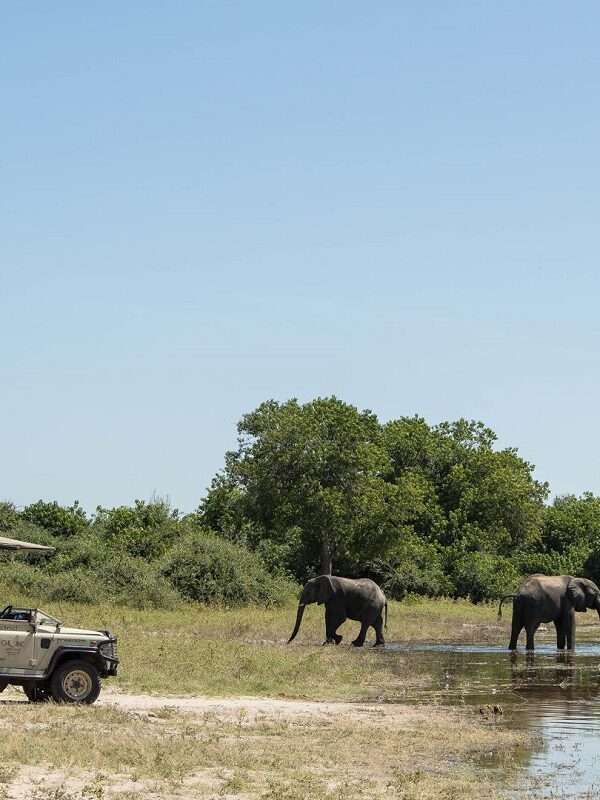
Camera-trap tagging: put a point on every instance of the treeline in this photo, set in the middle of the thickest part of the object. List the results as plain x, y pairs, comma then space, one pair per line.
146, 556
436, 510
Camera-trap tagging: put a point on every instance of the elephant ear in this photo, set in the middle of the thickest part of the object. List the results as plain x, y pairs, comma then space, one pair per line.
325, 589
576, 595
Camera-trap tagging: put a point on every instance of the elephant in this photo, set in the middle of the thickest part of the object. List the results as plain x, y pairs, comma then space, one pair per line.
345, 598
550, 598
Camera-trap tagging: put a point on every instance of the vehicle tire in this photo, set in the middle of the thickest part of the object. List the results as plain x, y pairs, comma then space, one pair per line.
75, 682
36, 693
3, 685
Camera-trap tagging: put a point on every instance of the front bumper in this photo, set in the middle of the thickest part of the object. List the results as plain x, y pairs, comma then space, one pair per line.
109, 655
111, 666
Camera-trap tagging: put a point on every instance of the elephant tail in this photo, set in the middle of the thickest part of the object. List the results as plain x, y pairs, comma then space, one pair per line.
502, 599
386, 609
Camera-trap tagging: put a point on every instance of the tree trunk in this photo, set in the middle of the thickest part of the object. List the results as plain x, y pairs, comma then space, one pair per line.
325, 558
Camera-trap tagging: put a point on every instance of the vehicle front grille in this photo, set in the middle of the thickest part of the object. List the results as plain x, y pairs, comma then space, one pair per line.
109, 649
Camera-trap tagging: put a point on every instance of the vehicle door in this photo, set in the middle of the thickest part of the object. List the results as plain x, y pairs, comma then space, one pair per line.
43, 643
16, 647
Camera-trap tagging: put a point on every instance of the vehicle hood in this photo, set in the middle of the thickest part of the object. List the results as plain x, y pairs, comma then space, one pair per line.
64, 631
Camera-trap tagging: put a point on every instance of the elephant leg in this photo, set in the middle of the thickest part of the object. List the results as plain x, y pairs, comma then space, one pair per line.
570, 630
334, 617
378, 625
360, 639
530, 631
517, 627
560, 634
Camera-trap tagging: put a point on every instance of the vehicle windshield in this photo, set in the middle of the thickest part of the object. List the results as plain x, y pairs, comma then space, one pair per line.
15, 614
43, 618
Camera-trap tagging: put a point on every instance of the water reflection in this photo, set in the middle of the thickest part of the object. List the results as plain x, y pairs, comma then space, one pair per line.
554, 693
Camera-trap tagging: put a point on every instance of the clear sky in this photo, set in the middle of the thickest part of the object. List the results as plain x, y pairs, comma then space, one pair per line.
207, 204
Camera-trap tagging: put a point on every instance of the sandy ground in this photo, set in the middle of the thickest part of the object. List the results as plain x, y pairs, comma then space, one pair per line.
39, 783
252, 706
249, 707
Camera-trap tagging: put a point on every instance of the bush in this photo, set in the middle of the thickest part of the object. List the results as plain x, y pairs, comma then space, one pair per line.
19, 579
208, 569
415, 567
9, 516
483, 576
145, 530
58, 520
120, 580
86, 552
134, 582
74, 586
576, 560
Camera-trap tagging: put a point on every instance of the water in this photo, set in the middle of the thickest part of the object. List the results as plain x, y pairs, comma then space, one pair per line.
551, 693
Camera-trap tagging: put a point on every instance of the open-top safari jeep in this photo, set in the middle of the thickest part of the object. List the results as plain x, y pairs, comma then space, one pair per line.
49, 660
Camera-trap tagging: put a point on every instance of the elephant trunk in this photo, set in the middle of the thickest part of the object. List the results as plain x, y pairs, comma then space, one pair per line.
299, 615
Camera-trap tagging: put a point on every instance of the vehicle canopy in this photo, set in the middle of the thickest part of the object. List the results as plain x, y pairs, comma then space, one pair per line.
15, 544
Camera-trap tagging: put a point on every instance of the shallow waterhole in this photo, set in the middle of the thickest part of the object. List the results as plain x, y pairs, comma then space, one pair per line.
552, 693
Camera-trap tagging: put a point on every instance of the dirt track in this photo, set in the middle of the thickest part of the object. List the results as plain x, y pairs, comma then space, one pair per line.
252, 706
249, 707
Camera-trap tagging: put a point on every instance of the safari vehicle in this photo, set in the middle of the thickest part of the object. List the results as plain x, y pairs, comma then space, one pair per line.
49, 660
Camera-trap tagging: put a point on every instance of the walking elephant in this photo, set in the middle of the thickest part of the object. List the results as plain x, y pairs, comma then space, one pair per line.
345, 598
550, 598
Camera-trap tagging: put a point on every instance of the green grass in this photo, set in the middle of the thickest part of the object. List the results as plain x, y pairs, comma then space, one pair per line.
389, 752
216, 651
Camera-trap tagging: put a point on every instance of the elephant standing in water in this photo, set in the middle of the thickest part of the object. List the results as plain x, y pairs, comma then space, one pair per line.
345, 598
551, 598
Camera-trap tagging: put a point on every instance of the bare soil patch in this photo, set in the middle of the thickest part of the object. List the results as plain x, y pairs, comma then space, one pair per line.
132, 746
253, 707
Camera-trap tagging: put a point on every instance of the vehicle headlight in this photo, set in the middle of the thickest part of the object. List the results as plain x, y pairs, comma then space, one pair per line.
108, 649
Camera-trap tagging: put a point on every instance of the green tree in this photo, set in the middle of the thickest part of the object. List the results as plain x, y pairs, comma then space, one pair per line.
322, 481
9, 517
308, 478
474, 497
570, 537
143, 530
60, 521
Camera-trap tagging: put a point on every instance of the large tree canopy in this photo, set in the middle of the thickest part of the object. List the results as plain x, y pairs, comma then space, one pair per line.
306, 480
322, 483
313, 487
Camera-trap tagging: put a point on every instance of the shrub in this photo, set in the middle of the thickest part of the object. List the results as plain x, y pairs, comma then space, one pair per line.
9, 516
19, 579
145, 530
116, 579
414, 567
134, 582
591, 567
58, 520
576, 560
483, 576
208, 569
29, 532
86, 552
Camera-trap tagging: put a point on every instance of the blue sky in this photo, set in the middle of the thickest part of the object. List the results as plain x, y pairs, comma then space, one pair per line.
207, 204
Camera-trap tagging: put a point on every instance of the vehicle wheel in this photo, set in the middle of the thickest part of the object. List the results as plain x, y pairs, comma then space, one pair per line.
75, 682
36, 693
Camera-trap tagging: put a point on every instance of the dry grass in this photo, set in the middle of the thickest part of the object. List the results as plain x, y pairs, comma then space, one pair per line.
57, 753
385, 753
212, 651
